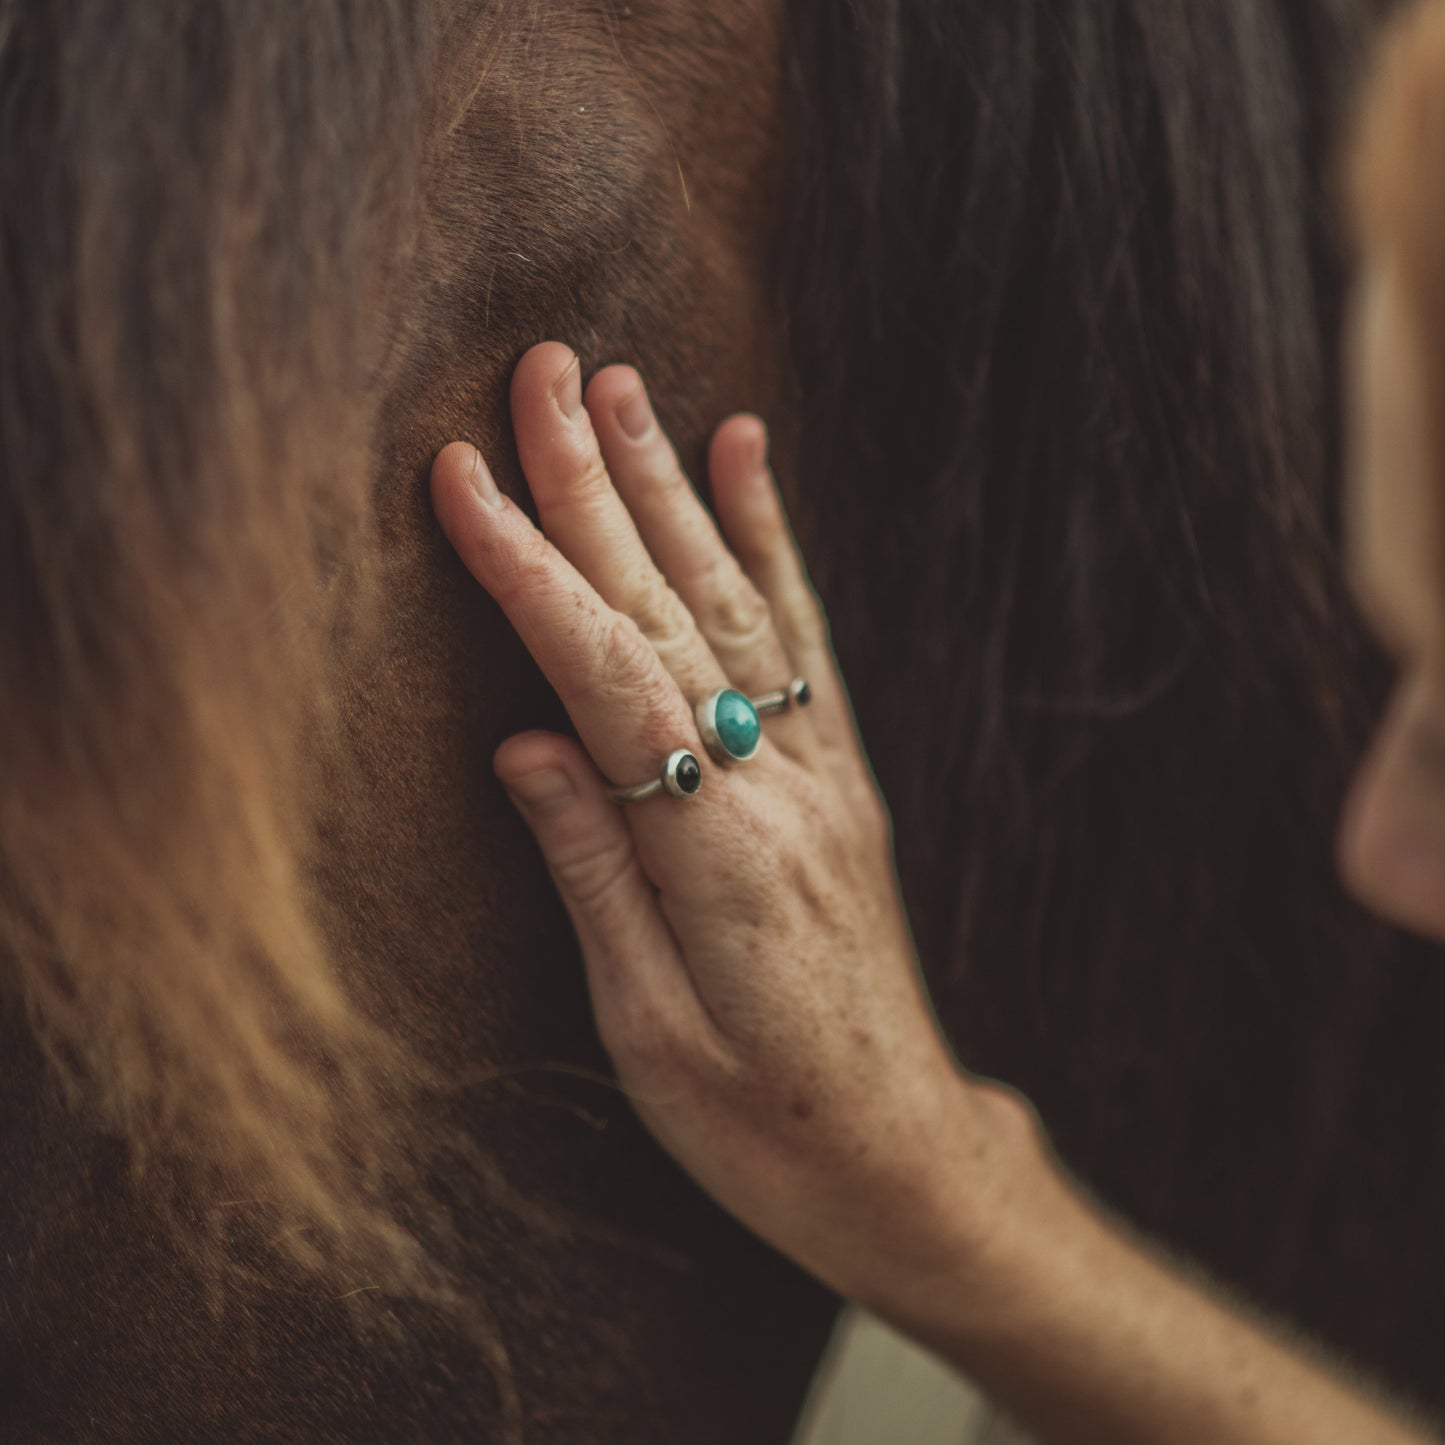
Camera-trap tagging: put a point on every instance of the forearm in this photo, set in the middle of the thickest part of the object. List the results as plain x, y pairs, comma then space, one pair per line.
750, 962
1084, 1334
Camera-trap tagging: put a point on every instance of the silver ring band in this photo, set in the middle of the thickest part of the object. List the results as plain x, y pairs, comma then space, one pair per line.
680, 777
796, 694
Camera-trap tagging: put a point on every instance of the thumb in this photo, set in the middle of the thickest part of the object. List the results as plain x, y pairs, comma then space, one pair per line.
634, 966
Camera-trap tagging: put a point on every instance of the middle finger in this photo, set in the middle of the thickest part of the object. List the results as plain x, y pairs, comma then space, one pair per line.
587, 521
675, 526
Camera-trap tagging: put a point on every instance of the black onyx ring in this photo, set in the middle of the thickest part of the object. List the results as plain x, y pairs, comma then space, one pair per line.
681, 777
796, 694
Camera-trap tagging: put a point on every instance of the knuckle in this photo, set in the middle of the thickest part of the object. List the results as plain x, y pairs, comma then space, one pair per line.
751, 829
532, 568
826, 821
659, 612
750, 806
636, 1032
632, 678
627, 658
736, 609
592, 480
591, 875
813, 803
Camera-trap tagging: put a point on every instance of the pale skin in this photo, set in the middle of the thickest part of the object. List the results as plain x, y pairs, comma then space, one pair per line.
747, 952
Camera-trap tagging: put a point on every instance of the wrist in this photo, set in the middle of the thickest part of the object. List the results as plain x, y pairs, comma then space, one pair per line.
966, 1216
1083, 1332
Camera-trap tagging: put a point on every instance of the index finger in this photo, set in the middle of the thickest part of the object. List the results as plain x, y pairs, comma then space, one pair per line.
626, 706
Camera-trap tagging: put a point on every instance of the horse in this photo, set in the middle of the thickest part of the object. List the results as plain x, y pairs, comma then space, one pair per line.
308, 1133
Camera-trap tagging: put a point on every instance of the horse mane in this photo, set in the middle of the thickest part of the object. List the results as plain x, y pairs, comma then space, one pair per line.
255, 266
1065, 286
203, 214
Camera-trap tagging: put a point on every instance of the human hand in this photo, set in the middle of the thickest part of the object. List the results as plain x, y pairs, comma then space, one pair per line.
747, 952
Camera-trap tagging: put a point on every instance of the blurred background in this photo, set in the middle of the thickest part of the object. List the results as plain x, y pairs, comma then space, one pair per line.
875, 1388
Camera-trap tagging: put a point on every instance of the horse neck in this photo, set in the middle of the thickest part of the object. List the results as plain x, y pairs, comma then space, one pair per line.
621, 199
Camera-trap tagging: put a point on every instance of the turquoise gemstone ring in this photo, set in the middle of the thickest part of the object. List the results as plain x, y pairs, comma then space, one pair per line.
730, 727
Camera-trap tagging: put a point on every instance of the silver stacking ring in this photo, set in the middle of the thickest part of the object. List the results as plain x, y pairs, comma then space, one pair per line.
681, 777
796, 694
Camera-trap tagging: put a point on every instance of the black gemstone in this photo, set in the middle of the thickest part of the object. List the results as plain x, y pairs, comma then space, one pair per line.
688, 775
803, 696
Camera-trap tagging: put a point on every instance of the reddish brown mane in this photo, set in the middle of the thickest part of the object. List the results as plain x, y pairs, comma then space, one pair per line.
190, 399
268, 911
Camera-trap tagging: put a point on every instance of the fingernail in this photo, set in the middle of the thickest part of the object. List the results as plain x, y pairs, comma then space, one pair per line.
634, 415
568, 391
546, 788
484, 484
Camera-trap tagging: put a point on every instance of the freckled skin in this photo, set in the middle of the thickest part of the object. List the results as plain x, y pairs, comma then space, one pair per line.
726, 960
775, 885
